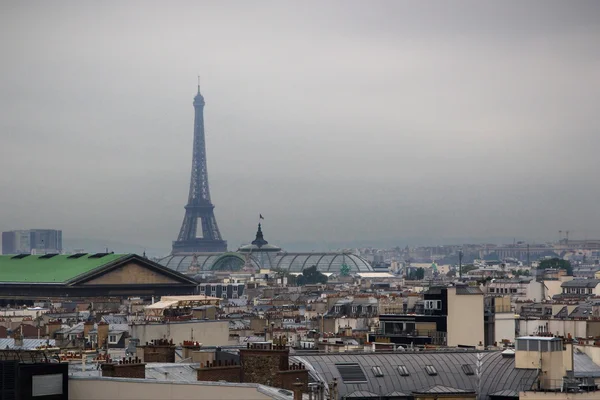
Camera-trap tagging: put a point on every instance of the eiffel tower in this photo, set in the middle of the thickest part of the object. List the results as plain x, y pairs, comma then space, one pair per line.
199, 231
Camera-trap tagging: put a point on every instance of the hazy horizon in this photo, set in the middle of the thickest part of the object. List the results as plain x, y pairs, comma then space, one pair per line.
339, 121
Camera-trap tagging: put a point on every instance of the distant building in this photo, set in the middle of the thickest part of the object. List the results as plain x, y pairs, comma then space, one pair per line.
39, 241
260, 255
450, 316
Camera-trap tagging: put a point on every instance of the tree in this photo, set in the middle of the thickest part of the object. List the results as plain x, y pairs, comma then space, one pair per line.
311, 276
416, 275
556, 263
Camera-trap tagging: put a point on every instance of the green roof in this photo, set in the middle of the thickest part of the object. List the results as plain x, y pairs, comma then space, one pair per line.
55, 269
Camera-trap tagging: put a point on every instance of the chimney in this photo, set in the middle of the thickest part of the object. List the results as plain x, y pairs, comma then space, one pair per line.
298, 390
87, 327
18, 336
126, 368
103, 334
51, 327
160, 350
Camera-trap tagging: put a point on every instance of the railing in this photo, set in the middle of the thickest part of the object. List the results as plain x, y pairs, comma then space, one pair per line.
565, 385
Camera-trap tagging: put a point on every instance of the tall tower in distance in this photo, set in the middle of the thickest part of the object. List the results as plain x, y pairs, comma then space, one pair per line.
199, 232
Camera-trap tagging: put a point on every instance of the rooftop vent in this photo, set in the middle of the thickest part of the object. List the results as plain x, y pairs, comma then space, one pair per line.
98, 255
48, 255
77, 255
351, 373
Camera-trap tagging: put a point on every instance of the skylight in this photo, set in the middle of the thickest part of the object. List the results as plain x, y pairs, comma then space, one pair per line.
430, 369
377, 371
351, 373
468, 369
403, 370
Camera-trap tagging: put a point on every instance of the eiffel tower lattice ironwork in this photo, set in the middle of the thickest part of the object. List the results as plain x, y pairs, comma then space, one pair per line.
199, 230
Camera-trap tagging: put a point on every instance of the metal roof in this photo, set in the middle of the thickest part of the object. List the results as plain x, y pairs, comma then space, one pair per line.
178, 372
468, 290
506, 393
498, 373
584, 366
441, 389
362, 394
581, 283
28, 344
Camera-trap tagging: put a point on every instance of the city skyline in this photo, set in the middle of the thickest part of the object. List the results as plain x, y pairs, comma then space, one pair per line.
372, 123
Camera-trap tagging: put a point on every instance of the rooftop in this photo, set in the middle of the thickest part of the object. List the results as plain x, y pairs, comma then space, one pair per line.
48, 268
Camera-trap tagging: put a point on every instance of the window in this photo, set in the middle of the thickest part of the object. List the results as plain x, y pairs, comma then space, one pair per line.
235, 288
468, 369
403, 370
492, 290
430, 369
377, 371
112, 339
433, 304
513, 290
202, 289
351, 373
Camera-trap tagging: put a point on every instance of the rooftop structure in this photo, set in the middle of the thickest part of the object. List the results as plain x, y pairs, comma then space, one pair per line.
419, 372
30, 277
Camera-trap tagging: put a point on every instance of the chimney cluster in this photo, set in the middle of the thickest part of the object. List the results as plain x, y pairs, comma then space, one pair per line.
219, 363
158, 350
191, 343
125, 368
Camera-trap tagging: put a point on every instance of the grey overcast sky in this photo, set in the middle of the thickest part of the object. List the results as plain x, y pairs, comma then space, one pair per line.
339, 121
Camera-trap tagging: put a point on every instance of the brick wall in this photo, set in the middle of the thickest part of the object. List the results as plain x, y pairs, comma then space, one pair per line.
262, 366
271, 367
128, 368
160, 350
216, 371
296, 374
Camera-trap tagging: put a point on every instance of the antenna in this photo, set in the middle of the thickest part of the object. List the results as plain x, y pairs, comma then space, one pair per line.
198, 82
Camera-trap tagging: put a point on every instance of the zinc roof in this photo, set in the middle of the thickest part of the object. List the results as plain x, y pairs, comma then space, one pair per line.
56, 269
497, 373
28, 344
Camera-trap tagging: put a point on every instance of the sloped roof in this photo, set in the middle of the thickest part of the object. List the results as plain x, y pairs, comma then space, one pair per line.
441, 389
506, 393
498, 373
581, 283
362, 394
56, 269
28, 344
584, 366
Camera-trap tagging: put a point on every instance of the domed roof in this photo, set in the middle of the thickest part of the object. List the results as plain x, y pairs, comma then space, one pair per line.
259, 244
